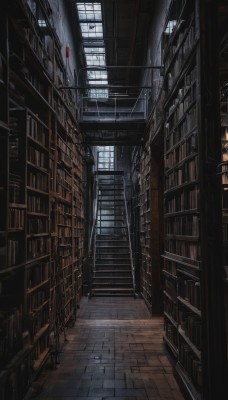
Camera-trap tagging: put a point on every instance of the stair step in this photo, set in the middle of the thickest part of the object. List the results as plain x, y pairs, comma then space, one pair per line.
113, 292
109, 215
109, 273
111, 226
100, 219
111, 286
113, 256
112, 266
106, 239
105, 258
115, 280
116, 267
112, 242
109, 200
113, 247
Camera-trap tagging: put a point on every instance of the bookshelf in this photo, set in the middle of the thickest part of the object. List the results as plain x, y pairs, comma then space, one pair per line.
222, 167
151, 208
194, 316
182, 246
41, 195
145, 228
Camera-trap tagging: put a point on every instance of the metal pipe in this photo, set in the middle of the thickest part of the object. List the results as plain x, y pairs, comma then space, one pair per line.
104, 67
103, 87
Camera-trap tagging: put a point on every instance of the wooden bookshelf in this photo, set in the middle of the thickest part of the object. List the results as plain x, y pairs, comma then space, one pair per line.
182, 248
223, 166
193, 325
41, 195
145, 228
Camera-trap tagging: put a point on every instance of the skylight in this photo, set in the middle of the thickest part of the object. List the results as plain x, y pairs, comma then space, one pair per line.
90, 18
95, 56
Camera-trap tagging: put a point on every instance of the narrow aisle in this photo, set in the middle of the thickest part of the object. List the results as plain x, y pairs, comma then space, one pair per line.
115, 350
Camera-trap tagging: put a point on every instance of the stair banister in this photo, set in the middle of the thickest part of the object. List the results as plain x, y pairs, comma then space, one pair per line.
129, 236
92, 238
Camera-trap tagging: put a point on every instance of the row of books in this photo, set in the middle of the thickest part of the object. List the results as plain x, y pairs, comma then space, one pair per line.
15, 255
35, 80
14, 146
68, 272
15, 188
66, 151
170, 308
180, 106
186, 199
64, 179
187, 172
191, 325
171, 288
170, 332
68, 284
37, 298
64, 219
191, 364
65, 261
39, 48
37, 157
63, 193
38, 181
69, 291
185, 148
37, 131
38, 273
189, 290
65, 251
11, 334
69, 99
40, 345
37, 204
170, 266
61, 112
16, 218
38, 320
180, 58
37, 247
182, 225
37, 225
187, 85
175, 132
183, 248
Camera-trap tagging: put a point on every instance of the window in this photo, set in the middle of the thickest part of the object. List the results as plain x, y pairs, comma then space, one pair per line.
91, 24
105, 158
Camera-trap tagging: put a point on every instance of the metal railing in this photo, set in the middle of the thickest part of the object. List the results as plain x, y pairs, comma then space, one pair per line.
92, 239
129, 237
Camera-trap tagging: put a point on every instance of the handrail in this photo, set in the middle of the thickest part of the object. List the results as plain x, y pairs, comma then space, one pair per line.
92, 239
129, 236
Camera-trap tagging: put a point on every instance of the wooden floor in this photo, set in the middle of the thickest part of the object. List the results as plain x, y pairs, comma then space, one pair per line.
115, 350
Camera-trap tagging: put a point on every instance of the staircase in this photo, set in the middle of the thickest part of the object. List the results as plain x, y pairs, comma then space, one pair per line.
112, 275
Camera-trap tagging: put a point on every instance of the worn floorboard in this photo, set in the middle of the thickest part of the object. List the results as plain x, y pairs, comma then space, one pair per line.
115, 350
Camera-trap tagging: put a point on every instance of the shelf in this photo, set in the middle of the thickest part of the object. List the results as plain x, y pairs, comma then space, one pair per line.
190, 344
171, 346
189, 305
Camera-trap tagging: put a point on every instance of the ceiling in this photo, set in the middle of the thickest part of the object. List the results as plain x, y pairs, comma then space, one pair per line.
118, 117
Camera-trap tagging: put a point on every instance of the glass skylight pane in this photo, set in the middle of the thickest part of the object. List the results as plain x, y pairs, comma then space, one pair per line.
89, 11
97, 75
97, 82
42, 23
98, 93
90, 17
91, 30
92, 59
91, 50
